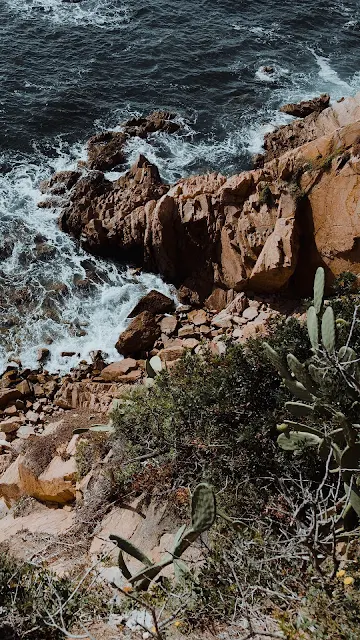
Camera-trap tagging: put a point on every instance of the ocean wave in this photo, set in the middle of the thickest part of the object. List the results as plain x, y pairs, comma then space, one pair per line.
52, 293
108, 14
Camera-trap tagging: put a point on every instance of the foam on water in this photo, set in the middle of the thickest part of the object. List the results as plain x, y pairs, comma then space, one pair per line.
327, 73
41, 273
109, 14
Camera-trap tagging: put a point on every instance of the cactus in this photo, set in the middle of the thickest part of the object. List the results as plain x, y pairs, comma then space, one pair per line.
203, 514
310, 383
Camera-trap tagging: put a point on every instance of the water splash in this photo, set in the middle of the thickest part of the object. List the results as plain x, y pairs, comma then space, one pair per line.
52, 293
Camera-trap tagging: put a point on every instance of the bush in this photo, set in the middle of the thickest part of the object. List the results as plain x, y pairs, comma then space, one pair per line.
212, 419
29, 593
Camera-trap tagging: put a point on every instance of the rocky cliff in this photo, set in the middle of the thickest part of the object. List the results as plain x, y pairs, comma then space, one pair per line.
264, 230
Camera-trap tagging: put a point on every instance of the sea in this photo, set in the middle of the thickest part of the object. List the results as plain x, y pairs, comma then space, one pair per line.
68, 70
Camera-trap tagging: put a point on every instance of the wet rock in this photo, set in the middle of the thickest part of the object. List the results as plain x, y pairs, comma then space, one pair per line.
305, 108
140, 335
43, 355
154, 302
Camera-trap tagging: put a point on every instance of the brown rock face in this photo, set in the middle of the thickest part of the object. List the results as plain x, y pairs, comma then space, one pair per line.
112, 217
213, 237
140, 335
305, 108
154, 302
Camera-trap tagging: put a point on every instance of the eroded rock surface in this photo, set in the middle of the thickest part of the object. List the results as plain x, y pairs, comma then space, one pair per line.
211, 235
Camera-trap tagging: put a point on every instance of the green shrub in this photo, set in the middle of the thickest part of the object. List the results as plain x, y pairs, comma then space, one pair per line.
28, 593
212, 419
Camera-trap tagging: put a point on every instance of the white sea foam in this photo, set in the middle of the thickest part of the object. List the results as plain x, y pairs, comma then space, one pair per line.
327, 73
274, 76
79, 321
109, 14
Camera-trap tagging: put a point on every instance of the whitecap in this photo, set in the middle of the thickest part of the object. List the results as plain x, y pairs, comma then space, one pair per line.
79, 321
109, 14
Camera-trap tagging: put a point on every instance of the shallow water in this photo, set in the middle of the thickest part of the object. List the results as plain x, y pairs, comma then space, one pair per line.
67, 70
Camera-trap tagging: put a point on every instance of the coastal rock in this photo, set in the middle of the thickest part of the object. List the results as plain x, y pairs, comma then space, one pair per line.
264, 230
55, 484
305, 108
140, 335
154, 302
117, 370
106, 149
8, 396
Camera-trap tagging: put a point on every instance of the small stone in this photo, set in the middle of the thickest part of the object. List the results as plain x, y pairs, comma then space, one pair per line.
250, 313
25, 431
168, 325
198, 317
68, 354
187, 331
20, 404
190, 343
43, 354
205, 330
171, 353
32, 417
237, 333
11, 411
39, 391
222, 321
10, 424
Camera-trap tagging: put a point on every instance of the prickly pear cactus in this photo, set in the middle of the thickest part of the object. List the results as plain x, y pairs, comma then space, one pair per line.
203, 514
310, 383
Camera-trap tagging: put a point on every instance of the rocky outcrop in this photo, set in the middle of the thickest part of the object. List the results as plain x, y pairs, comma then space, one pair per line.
264, 230
306, 107
314, 126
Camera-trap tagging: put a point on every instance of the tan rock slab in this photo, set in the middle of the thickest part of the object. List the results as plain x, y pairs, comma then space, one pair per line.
171, 353
187, 331
10, 485
168, 325
198, 317
190, 343
51, 521
114, 372
10, 424
55, 484
250, 314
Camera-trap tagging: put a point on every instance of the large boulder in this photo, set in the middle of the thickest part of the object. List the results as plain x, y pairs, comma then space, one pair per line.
154, 302
140, 335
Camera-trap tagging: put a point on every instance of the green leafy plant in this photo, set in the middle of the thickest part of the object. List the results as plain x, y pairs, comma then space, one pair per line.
311, 383
203, 514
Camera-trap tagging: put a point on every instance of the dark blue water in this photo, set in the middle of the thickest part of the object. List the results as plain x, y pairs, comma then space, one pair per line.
69, 69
